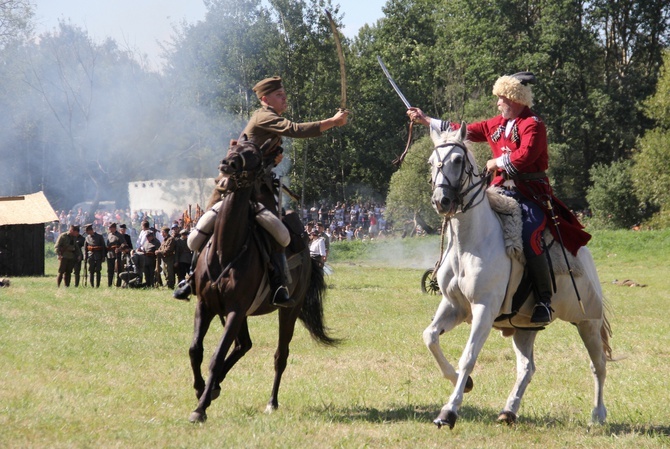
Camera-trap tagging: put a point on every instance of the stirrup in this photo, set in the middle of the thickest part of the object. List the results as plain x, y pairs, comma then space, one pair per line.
541, 313
281, 298
183, 290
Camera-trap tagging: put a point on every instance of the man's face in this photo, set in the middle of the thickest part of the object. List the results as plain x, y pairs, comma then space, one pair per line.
122, 230
508, 108
277, 100
164, 234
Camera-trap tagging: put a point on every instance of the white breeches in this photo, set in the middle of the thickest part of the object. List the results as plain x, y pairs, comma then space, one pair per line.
205, 227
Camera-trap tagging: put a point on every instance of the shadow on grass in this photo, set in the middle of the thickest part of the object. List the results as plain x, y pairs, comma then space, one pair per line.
487, 416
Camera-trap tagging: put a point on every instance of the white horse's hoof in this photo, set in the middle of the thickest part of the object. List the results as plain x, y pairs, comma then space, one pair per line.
445, 419
506, 417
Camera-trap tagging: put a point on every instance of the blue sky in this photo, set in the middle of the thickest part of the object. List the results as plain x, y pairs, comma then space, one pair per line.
138, 24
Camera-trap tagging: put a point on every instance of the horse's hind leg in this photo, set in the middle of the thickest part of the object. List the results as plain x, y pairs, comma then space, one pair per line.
201, 322
523, 342
589, 330
287, 318
446, 318
234, 321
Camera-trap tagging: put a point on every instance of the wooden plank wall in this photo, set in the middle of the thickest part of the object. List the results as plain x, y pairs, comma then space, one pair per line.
22, 250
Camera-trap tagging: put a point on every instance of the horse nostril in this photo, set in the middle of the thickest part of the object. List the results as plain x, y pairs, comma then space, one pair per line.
445, 201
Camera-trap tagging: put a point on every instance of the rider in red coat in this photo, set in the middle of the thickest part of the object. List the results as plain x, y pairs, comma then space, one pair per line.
518, 141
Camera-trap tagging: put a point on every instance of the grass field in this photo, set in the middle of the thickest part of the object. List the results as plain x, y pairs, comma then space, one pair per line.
109, 368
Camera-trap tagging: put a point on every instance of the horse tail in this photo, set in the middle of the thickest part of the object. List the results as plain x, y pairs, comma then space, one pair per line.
311, 313
605, 334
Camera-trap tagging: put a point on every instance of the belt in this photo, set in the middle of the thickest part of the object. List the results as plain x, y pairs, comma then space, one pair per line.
526, 176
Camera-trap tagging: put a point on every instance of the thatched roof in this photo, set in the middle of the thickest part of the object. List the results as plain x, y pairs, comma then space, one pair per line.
26, 209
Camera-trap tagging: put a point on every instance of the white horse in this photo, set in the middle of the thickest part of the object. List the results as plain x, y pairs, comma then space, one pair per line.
474, 275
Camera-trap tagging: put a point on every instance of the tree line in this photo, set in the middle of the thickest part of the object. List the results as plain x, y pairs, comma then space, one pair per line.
84, 118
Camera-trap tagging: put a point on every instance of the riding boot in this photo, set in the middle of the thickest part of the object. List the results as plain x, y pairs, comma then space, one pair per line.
67, 278
280, 296
97, 279
59, 279
538, 270
92, 278
186, 286
76, 279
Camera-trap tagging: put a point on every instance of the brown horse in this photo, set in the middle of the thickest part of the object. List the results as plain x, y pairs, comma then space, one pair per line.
231, 282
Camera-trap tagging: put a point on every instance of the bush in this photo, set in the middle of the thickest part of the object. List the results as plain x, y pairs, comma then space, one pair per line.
611, 199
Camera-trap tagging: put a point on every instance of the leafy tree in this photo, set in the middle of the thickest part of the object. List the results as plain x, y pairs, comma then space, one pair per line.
409, 190
15, 20
651, 179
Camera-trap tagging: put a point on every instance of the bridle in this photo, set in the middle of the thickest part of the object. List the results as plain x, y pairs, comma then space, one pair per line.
465, 184
241, 178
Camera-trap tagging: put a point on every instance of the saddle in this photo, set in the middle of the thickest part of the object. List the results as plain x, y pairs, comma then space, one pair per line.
298, 244
519, 288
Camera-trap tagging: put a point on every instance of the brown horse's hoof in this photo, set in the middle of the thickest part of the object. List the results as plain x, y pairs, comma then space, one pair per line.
198, 417
508, 418
469, 385
216, 392
445, 419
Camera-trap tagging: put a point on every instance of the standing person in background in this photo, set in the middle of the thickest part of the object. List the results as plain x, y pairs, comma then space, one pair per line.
114, 242
183, 255
94, 247
149, 249
68, 252
166, 252
317, 247
81, 242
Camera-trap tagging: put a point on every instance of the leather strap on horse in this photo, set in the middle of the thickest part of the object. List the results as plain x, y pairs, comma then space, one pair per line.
398, 161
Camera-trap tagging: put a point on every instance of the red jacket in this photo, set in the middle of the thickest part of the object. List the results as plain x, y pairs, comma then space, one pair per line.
525, 151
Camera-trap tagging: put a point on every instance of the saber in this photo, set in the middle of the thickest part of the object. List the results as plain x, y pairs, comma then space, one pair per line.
340, 57
393, 84
554, 219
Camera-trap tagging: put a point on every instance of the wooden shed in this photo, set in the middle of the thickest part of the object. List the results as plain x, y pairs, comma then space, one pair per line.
22, 220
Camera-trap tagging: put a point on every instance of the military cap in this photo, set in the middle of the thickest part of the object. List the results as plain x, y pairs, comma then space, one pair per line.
267, 86
89, 227
525, 77
112, 225
165, 228
122, 226
75, 228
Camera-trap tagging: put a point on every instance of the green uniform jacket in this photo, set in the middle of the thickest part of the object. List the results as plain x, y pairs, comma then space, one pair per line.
266, 124
66, 246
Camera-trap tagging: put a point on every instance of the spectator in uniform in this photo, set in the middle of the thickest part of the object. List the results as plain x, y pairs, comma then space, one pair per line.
68, 252
94, 247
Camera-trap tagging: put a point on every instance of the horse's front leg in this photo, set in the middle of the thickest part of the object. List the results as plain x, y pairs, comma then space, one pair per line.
446, 318
523, 342
287, 318
482, 320
242, 346
234, 321
201, 322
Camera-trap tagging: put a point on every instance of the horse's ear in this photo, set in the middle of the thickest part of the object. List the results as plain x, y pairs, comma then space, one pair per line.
464, 130
244, 138
233, 142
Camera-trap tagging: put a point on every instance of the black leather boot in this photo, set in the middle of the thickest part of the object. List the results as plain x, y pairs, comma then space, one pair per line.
186, 287
538, 269
278, 289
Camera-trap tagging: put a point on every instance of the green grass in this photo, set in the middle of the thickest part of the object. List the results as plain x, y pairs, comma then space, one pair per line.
109, 368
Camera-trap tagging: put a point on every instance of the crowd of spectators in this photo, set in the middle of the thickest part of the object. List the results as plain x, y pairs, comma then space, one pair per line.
342, 221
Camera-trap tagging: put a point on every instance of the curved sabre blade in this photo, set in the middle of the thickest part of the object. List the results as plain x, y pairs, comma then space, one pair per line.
393, 84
